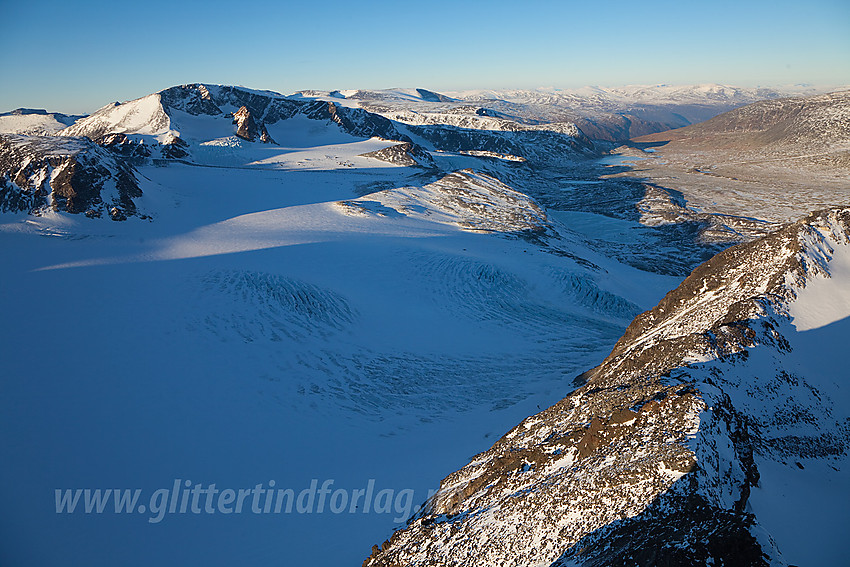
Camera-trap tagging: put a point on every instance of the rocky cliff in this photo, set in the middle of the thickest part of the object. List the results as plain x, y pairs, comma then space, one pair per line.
74, 175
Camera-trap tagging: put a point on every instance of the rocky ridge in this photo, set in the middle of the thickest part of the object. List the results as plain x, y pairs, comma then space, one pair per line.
607, 114
654, 457
73, 175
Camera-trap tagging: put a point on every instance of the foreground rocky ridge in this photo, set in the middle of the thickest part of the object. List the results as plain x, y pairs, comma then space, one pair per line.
654, 457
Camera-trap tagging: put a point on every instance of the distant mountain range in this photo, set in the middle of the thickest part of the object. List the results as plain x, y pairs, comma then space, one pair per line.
182, 123
384, 282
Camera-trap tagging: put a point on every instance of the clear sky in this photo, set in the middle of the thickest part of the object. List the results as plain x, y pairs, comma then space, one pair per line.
77, 56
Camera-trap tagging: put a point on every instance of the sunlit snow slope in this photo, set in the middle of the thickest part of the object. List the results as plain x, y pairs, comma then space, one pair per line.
287, 312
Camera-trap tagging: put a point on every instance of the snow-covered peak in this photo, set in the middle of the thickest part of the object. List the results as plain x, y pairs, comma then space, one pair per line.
145, 116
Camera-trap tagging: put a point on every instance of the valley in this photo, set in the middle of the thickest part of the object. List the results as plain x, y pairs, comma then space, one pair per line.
223, 285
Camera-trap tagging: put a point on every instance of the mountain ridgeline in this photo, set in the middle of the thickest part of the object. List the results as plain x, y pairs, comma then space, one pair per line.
667, 452
542, 130
161, 127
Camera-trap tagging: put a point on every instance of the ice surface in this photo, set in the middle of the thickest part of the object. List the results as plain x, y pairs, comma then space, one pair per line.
257, 328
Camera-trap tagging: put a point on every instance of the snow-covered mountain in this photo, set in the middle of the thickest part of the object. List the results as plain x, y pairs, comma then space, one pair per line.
350, 300
38, 122
205, 114
611, 114
72, 175
716, 432
365, 288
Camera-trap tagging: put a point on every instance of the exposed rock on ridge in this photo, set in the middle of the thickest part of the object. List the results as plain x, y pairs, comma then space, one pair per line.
406, 154
654, 459
247, 129
539, 143
71, 175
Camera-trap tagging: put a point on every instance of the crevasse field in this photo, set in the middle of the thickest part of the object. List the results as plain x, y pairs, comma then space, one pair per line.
280, 319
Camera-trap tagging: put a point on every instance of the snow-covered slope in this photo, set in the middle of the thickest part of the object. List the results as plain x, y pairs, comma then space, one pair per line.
144, 116
716, 432
327, 293
293, 311
612, 114
35, 122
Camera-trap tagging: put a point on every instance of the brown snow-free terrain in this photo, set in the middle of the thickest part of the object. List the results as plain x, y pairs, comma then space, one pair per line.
774, 160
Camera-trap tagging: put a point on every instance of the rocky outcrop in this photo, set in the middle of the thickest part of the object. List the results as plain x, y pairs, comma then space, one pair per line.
174, 148
265, 137
72, 175
407, 154
655, 457
121, 144
246, 128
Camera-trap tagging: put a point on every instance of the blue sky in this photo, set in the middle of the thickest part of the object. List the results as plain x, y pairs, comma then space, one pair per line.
77, 56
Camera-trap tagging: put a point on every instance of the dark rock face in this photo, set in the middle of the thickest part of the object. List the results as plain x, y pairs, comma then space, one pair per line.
355, 121
264, 135
654, 458
655, 537
488, 112
122, 145
542, 147
246, 128
623, 127
194, 99
65, 174
175, 149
